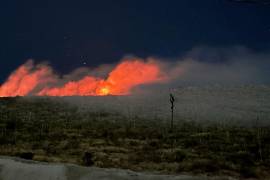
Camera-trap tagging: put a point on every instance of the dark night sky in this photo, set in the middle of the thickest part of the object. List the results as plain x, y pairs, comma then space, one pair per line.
67, 33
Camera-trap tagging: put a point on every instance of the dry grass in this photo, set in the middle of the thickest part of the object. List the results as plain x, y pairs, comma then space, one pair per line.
53, 134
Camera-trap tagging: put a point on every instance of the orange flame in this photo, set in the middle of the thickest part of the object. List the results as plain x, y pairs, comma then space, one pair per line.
25, 79
34, 80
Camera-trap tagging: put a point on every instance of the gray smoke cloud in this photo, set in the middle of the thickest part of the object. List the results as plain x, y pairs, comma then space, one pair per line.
209, 66
229, 66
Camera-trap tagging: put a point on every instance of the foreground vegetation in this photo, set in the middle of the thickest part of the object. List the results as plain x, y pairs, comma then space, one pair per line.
46, 130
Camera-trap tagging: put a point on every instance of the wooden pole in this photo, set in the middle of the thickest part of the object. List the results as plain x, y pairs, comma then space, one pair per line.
172, 108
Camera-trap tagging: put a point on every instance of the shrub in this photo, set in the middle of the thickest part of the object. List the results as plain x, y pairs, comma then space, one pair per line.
87, 159
26, 155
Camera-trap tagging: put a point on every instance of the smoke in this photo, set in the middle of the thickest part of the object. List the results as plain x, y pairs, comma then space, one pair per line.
39, 79
201, 66
237, 65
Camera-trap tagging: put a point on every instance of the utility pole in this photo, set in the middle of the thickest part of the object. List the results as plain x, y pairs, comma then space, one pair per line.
172, 108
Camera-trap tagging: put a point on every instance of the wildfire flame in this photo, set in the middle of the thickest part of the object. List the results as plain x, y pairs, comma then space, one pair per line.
39, 80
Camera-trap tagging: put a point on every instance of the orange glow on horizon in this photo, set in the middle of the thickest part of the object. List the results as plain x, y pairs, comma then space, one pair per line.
39, 80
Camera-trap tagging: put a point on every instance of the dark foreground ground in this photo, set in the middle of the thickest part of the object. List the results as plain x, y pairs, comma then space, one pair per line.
45, 130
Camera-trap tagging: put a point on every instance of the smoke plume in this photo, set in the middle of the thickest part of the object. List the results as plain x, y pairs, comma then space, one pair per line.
203, 65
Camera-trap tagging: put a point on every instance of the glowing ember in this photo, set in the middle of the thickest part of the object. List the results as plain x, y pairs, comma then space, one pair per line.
39, 80
104, 91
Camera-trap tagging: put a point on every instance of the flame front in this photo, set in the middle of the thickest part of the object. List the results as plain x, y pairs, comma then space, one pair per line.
39, 80
103, 91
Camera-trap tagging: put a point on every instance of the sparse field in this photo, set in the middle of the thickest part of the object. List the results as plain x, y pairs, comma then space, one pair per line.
55, 131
